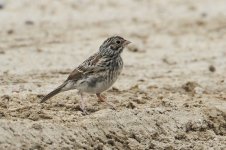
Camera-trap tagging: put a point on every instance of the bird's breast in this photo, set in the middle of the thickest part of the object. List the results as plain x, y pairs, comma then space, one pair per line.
99, 82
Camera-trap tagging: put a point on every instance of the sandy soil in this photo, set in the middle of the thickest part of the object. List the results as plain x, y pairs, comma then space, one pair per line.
171, 94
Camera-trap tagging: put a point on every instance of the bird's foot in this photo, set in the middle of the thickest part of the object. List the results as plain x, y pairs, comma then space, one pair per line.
102, 98
85, 112
112, 106
83, 108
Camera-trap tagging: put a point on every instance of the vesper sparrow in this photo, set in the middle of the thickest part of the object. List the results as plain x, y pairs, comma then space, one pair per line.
96, 74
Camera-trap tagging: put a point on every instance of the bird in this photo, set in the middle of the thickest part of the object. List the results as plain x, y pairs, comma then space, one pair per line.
97, 73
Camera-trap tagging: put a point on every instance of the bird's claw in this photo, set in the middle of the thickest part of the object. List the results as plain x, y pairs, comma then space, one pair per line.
112, 106
84, 112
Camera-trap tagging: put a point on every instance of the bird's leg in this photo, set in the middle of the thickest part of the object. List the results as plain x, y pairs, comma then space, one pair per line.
102, 98
82, 104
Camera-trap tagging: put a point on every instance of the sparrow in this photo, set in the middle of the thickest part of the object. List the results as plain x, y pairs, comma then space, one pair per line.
97, 73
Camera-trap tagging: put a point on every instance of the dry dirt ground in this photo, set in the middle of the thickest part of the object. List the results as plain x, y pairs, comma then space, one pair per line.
171, 94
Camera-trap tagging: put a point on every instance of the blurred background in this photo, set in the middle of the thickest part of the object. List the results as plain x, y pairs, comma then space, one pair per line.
178, 37
176, 62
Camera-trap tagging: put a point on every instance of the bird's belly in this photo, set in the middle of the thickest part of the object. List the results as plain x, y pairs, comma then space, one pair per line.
98, 88
95, 84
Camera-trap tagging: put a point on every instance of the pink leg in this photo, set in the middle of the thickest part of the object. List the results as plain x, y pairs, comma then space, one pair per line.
102, 98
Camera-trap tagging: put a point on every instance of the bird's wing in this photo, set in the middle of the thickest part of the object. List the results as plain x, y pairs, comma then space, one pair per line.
90, 65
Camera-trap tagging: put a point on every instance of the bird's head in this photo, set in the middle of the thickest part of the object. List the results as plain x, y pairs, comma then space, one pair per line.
113, 46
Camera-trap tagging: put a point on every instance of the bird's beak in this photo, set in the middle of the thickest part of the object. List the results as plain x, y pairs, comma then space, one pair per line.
126, 42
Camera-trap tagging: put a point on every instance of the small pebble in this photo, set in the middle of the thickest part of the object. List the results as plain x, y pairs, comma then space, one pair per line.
199, 90
190, 86
2, 5
10, 31
2, 52
212, 68
29, 22
37, 126
39, 50
204, 14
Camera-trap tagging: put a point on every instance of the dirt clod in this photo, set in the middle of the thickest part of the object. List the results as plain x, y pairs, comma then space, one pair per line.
212, 68
190, 86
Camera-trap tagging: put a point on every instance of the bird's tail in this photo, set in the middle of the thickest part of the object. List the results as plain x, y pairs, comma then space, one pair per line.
54, 92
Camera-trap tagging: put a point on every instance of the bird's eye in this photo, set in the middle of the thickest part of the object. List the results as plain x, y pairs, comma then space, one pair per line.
118, 42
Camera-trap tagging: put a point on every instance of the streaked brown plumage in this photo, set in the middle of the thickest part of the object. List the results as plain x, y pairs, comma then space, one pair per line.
97, 73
